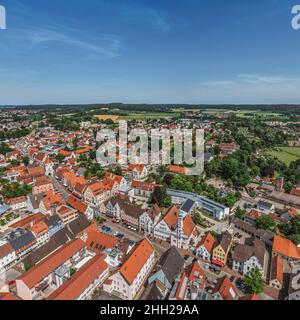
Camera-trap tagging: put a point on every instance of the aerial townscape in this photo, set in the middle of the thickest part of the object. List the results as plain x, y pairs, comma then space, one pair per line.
72, 228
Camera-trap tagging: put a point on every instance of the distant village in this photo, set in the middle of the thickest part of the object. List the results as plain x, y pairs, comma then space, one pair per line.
72, 229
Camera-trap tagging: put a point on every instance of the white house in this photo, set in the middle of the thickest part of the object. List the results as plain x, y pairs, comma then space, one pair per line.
131, 276
164, 227
265, 207
137, 171
121, 181
205, 247
7, 255
17, 203
149, 219
248, 257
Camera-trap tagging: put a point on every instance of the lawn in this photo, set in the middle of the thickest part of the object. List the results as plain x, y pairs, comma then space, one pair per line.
286, 154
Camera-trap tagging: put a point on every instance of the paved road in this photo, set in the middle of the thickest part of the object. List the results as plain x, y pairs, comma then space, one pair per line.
218, 226
64, 192
134, 235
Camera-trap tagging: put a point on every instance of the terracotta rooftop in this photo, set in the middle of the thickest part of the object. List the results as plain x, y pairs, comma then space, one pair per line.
81, 280
36, 274
136, 260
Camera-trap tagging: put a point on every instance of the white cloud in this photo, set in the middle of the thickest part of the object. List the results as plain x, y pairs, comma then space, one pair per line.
266, 79
102, 47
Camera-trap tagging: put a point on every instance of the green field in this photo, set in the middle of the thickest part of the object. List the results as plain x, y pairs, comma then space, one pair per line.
149, 115
286, 154
247, 113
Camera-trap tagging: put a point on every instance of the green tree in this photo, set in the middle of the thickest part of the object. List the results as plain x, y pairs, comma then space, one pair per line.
254, 281
265, 222
239, 213
161, 197
4, 148
25, 160
60, 158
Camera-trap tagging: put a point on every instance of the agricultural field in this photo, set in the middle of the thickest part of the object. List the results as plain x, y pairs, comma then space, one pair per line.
149, 115
108, 117
247, 113
286, 154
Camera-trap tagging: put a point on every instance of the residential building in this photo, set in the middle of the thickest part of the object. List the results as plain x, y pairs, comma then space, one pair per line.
285, 248
130, 277
84, 282
81, 207
221, 249
276, 275
121, 181
114, 206
97, 193
190, 284
224, 290
137, 171
23, 241
42, 186
247, 257
265, 207
66, 213
7, 255
17, 203
205, 247
149, 219
54, 224
168, 268
142, 188
54, 270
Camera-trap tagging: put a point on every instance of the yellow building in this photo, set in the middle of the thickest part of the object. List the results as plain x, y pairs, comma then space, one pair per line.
221, 249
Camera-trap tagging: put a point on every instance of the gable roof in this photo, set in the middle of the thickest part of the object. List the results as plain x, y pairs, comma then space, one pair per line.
171, 217
33, 276
208, 242
243, 252
171, 263
188, 225
224, 241
277, 269
225, 288
5, 249
77, 204
98, 241
81, 280
136, 260
285, 247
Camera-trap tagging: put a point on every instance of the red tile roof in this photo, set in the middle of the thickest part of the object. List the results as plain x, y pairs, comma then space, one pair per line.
171, 218
178, 169
136, 260
77, 204
7, 296
144, 185
225, 288
208, 242
295, 192
99, 241
81, 280
285, 247
36, 274
39, 228
277, 269
5, 250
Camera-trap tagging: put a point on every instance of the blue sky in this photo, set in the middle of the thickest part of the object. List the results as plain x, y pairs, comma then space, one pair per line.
149, 51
